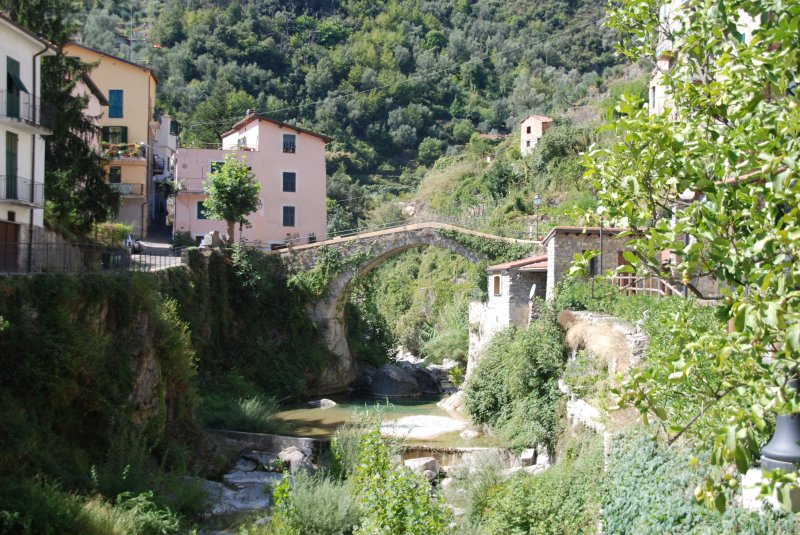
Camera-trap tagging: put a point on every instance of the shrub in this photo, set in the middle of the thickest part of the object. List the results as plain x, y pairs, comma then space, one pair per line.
650, 491
564, 499
252, 414
182, 239
393, 500
315, 505
514, 387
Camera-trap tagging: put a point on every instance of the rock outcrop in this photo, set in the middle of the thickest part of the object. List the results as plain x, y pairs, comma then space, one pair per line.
615, 342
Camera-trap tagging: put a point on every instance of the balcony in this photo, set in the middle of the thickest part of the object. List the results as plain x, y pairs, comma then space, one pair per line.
18, 190
128, 189
21, 107
191, 185
123, 151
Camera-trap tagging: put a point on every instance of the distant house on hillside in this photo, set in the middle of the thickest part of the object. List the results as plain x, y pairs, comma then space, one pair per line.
531, 131
128, 130
287, 160
23, 125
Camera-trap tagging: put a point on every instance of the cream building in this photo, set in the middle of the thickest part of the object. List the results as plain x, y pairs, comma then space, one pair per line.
23, 125
531, 131
128, 131
287, 160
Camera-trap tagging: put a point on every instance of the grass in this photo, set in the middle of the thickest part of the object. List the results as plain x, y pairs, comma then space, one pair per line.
254, 414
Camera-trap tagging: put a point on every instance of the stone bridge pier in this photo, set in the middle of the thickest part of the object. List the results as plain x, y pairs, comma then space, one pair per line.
360, 255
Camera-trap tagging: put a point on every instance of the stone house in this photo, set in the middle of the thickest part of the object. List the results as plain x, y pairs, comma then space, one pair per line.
24, 124
287, 160
531, 131
513, 286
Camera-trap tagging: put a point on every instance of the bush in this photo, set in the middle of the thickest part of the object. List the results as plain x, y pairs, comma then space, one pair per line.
183, 239
314, 505
431, 149
252, 414
393, 499
564, 499
514, 387
651, 487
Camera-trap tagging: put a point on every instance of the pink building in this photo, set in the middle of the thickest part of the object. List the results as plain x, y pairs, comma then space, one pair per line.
287, 160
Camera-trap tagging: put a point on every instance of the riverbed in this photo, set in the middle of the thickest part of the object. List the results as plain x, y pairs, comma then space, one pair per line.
419, 420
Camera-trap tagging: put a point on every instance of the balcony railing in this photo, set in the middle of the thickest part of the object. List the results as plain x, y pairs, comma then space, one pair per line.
125, 151
633, 285
14, 188
21, 106
159, 164
128, 189
191, 185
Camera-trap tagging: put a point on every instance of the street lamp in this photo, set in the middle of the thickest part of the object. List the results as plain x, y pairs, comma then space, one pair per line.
537, 200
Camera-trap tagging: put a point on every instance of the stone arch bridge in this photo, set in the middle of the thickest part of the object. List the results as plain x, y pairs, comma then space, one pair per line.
360, 254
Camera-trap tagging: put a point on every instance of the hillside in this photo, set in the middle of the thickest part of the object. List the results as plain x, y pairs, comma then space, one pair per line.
381, 77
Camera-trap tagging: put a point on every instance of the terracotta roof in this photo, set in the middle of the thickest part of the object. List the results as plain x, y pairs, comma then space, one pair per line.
543, 118
259, 116
538, 266
581, 230
116, 58
519, 263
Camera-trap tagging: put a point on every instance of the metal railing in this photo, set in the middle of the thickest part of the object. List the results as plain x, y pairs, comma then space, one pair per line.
633, 285
27, 258
21, 106
128, 189
191, 185
14, 188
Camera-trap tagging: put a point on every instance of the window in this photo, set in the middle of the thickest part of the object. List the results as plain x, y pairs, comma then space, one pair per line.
527, 142
12, 216
496, 285
289, 143
594, 265
198, 240
215, 166
289, 182
12, 142
653, 98
14, 85
241, 142
288, 216
115, 175
115, 135
115, 103
201, 210
528, 130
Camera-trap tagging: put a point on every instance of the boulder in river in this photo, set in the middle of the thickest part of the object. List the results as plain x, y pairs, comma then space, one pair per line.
427, 381
323, 403
364, 377
426, 466
297, 458
393, 380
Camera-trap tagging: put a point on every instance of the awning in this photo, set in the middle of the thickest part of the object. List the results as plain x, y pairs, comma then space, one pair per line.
17, 82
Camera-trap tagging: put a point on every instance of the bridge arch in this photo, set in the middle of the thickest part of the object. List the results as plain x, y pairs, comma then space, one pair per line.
374, 248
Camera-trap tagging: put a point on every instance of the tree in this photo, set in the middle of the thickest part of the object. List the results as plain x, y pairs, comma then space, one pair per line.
734, 147
232, 194
75, 187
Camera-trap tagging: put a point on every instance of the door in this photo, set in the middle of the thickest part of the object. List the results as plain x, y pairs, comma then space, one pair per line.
11, 165
9, 248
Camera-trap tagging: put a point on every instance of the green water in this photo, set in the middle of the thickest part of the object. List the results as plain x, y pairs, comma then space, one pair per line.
303, 420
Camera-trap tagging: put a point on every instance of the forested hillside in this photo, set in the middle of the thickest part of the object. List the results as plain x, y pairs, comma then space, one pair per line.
381, 77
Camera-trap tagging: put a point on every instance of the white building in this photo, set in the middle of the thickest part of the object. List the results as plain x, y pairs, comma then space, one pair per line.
23, 125
165, 148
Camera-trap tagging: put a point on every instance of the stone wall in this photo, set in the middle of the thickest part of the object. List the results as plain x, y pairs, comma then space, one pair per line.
49, 252
563, 245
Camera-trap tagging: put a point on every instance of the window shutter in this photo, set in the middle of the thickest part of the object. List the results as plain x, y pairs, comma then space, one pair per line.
105, 136
123, 134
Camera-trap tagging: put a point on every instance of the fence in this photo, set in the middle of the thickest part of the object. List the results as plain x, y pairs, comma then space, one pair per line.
633, 285
19, 258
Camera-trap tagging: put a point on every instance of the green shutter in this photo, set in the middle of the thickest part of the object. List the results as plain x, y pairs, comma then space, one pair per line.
123, 134
11, 165
105, 135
